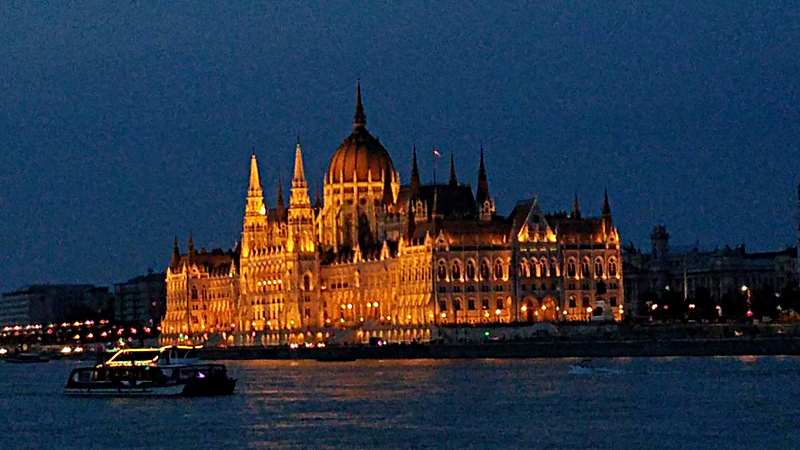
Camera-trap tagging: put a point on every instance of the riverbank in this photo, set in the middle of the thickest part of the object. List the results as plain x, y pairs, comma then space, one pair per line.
531, 349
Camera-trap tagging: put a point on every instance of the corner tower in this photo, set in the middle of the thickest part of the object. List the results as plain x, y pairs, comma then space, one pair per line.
254, 234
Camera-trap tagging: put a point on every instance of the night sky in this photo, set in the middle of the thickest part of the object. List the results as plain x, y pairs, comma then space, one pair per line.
123, 124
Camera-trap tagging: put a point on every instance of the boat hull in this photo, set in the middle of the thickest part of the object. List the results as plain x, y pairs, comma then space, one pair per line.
188, 381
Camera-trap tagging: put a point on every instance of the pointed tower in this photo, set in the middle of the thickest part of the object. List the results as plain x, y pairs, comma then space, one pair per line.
176, 256
415, 182
299, 196
576, 210
453, 179
190, 248
388, 196
317, 199
609, 231
254, 232
280, 207
300, 215
482, 198
359, 119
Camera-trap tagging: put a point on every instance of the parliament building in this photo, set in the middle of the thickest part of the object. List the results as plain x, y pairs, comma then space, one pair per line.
379, 257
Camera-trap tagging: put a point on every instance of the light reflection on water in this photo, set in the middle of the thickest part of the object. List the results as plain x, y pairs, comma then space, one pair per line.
746, 402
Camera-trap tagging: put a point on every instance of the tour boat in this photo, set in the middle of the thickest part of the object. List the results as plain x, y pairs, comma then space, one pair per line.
163, 356
151, 372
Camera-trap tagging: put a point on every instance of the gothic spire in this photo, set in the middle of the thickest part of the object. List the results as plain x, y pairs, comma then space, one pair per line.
299, 173
483, 185
453, 179
317, 199
415, 182
190, 248
388, 195
176, 254
255, 196
280, 207
255, 183
360, 119
299, 196
576, 210
606, 206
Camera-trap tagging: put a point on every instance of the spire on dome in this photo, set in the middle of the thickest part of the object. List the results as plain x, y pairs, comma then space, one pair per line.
415, 182
576, 210
453, 179
483, 185
606, 206
360, 119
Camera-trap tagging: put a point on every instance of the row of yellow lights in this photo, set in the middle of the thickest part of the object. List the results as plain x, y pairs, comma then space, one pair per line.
264, 283
52, 325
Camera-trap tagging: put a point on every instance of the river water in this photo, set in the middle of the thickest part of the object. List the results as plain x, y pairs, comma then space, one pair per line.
725, 402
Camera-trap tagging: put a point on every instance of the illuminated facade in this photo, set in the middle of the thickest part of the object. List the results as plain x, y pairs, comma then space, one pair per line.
377, 258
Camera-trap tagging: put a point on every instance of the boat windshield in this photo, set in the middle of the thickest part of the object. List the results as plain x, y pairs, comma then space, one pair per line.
132, 357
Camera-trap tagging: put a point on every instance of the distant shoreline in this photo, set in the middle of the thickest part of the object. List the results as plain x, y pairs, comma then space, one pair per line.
739, 346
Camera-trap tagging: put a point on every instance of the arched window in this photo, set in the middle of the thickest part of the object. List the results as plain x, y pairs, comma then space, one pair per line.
535, 268
585, 268
571, 270
554, 269
545, 268
306, 283
485, 304
498, 269
470, 270
598, 267
499, 303
194, 293
442, 271
471, 304
524, 268
456, 304
612, 267
456, 270
484, 270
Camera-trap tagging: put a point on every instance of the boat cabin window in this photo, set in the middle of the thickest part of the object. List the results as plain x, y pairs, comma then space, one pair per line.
135, 356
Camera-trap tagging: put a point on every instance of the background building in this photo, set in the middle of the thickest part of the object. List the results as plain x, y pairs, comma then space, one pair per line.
718, 276
378, 258
142, 299
51, 303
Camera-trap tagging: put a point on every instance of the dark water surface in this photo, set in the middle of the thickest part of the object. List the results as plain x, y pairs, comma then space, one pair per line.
726, 402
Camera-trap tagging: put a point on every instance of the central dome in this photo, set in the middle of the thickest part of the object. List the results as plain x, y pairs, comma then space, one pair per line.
360, 157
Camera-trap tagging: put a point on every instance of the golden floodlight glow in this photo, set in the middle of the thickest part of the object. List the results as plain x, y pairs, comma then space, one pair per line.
524, 308
497, 311
375, 304
349, 306
588, 309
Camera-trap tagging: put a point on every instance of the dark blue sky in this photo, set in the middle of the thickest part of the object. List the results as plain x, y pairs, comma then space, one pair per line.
125, 123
